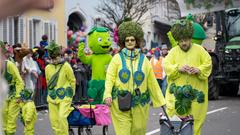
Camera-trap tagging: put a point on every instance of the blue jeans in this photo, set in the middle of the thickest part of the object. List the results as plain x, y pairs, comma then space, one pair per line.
163, 85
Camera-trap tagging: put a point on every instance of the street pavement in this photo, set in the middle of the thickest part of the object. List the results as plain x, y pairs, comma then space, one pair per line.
222, 119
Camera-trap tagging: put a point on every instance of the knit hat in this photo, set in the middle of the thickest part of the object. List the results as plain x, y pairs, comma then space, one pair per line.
54, 50
182, 29
129, 28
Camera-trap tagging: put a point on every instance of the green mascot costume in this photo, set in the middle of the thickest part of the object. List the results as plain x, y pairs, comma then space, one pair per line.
11, 107
99, 41
198, 32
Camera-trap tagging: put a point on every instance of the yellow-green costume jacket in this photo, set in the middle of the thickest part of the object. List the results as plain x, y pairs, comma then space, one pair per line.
132, 122
197, 57
14, 79
66, 80
60, 96
11, 108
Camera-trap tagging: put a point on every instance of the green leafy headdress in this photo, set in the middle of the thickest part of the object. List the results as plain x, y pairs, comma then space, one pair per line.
182, 29
129, 28
54, 50
3, 48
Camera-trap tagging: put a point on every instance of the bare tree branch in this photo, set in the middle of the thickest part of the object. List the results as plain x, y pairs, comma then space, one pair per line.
118, 10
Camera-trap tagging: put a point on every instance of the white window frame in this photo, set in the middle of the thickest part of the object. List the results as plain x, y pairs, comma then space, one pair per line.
39, 32
1, 30
21, 30
5, 33
53, 31
11, 31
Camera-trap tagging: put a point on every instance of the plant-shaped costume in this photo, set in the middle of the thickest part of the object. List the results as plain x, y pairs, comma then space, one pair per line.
61, 85
99, 42
11, 108
187, 93
131, 72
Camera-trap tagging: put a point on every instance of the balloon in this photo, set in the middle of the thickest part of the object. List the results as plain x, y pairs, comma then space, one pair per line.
78, 39
69, 37
74, 37
69, 33
76, 42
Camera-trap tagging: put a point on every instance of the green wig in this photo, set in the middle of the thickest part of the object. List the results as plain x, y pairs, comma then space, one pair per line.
54, 50
182, 29
129, 28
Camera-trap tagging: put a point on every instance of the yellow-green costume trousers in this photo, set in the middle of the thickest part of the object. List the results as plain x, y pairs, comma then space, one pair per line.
132, 122
10, 116
29, 114
60, 106
196, 57
11, 107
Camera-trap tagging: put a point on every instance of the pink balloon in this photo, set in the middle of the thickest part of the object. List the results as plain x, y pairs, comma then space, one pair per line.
78, 39
69, 33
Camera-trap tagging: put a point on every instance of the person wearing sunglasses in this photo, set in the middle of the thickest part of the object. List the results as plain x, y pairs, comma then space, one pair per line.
131, 84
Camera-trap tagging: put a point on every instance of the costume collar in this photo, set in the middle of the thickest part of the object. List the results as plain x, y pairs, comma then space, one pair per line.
130, 54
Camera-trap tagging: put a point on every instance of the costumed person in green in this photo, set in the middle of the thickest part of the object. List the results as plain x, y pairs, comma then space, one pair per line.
61, 89
99, 41
29, 112
11, 107
131, 84
198, 32
187, 66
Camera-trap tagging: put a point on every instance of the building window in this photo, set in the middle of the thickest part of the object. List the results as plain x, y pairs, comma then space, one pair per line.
16, 30
12, 30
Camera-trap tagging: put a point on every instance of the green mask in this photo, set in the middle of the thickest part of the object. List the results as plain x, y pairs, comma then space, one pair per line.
99, 40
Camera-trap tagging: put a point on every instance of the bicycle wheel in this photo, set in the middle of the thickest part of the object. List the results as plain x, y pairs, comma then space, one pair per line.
80, 131
70, 131
105, 130
88, 131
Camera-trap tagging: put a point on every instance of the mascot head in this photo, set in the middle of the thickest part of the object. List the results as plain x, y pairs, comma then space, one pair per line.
99, 40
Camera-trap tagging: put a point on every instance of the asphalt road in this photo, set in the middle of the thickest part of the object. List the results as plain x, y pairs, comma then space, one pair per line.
222, 119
